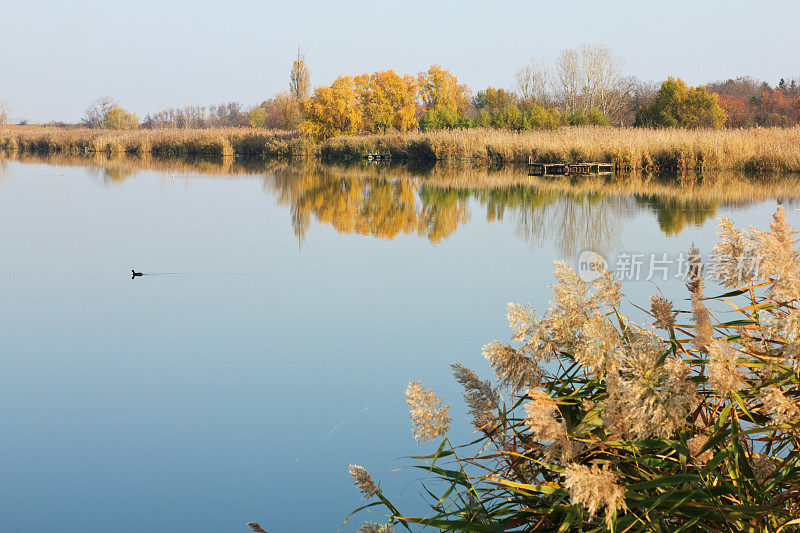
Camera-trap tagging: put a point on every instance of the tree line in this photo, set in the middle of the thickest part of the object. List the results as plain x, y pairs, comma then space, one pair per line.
749, 102
585, 85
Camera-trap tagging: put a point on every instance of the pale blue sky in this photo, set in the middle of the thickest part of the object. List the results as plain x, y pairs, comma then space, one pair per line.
56, 56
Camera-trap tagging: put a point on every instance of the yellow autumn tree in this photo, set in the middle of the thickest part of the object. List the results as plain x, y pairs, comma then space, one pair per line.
388, 101
439, 89
283, 112
119, 119
333, 110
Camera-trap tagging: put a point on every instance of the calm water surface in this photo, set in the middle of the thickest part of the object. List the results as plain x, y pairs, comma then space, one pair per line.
269, 344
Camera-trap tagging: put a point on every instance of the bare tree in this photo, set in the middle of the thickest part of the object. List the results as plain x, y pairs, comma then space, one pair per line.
638, 93
224, 115
97, 111
587, 61
5, 112
299, 77
602, 73
742, 87
568, 73
588, 76
532, 80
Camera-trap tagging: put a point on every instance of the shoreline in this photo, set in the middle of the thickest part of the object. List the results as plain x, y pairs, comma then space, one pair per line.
752, 150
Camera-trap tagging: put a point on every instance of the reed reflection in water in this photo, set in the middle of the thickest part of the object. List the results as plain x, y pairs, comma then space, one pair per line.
385, 201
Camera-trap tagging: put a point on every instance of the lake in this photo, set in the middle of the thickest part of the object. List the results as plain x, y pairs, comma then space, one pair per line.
283, 310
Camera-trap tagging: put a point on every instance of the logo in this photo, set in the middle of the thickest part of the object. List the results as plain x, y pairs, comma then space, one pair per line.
591, 266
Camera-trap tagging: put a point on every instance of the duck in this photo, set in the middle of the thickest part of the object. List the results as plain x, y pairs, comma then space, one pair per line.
135, 274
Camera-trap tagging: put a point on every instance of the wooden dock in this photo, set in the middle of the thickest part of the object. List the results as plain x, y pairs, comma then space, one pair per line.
591, 168
565, 169
378, 157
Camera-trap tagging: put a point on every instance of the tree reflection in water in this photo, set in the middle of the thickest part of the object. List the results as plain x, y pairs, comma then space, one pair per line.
574, 224
371, 206
432, 202
674, 215
575, 219
387, 207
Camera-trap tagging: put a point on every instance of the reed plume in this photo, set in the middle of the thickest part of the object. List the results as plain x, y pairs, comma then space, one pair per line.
647, 397
733, 255
374, 527
540, 417
514, 370
363, 480
781, 408
428, 415
596, 488
662, 311
723, 373
481, 398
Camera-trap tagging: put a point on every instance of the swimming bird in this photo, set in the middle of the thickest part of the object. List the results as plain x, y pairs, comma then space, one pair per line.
135, 274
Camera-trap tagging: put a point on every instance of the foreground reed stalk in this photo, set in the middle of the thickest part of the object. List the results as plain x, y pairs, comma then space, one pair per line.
688, 422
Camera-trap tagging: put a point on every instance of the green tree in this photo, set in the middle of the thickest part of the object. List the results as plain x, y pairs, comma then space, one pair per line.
577, 118
676, 105
539, 117
257, 117
443, 118
509, 117
493, 100
597, 118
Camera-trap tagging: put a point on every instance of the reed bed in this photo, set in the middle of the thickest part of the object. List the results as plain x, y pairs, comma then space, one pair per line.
223, 142
632, 149
752, 150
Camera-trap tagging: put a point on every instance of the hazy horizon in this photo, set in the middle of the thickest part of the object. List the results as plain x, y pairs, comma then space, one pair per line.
60, 56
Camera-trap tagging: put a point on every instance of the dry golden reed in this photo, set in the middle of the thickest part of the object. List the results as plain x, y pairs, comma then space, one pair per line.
626, 430
374, 527
596, 488
755, 149
752, 150
662, 311
221, 142
428, 414
481, 398
363, 480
